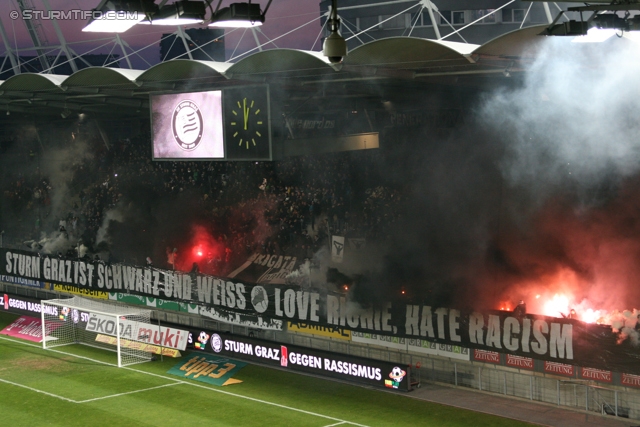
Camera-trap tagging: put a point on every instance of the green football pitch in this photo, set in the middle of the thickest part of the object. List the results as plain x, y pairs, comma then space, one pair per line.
65, 388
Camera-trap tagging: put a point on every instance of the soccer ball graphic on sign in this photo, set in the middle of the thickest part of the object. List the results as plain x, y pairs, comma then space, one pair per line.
397, 374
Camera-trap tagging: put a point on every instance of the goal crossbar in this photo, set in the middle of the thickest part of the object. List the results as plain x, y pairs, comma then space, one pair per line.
98, 307
98, 324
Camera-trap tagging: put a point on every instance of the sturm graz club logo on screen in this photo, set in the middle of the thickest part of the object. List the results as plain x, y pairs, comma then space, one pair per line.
187, 125
216, 343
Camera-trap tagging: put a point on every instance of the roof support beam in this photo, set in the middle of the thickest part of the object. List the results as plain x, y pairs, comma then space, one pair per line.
14, 62
63, 42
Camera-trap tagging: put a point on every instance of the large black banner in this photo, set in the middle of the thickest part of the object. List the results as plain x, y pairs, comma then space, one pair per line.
540, 337
316, 362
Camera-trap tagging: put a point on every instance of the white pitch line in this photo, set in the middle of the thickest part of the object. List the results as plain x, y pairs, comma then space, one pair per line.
253, 399
336, 424
125, 393
38, 391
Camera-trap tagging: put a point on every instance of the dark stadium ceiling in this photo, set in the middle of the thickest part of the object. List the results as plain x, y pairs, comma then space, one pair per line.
382, 68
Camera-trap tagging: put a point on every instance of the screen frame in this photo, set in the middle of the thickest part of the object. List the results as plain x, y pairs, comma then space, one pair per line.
177, 95
225, 92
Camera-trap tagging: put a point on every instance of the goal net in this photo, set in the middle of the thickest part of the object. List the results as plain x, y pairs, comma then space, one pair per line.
115, 327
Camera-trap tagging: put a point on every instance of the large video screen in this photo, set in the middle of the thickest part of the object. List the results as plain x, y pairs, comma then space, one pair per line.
187, 126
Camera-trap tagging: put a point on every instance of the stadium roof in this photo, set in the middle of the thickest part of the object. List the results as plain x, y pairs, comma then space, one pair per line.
402, 61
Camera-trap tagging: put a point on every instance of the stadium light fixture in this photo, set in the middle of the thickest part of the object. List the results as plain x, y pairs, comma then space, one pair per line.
610, 21
238, 15
570, 28
507, 71
183, 12
602, 24
595, 35
117, 16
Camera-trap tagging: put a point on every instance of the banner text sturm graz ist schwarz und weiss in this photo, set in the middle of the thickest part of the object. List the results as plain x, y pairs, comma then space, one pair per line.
545, 338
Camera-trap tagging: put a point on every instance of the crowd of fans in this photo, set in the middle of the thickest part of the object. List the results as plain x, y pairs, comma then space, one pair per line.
290, 206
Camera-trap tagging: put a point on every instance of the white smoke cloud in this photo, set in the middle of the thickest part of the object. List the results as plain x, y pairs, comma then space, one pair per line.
115, 214
574, 120
60, 168
50, 243
82, 250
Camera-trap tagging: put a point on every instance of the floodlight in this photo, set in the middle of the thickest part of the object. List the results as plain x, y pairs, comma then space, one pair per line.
570, 28
238, 15
633, 23
184, 12
610, 21
600, 26
507, 71
117, 16
595, 35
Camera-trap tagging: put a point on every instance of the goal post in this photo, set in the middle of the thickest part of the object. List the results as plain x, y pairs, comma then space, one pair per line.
106, 325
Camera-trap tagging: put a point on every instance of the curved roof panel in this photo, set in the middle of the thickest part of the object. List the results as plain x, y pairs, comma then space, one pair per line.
404, 52
102, 76
182, 69
461, 48
518, 43
33, 81
408, 59
279, 61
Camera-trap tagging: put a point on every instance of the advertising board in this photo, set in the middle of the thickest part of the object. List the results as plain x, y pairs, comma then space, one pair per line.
304, 360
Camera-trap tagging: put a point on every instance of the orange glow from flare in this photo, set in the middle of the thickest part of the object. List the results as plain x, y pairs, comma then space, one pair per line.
561, 305
557, 294
590, 315
556, 306
505, 306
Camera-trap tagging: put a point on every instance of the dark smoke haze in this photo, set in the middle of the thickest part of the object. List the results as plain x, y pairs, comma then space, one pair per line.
537, 194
